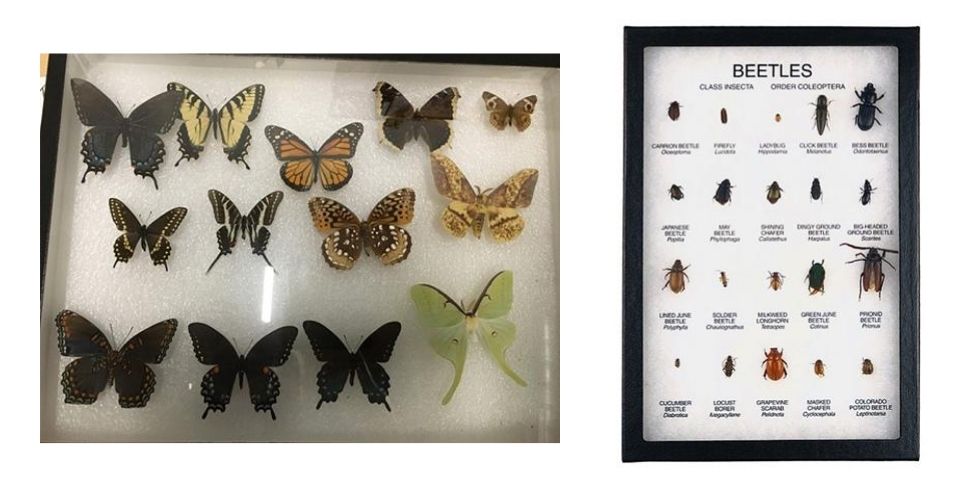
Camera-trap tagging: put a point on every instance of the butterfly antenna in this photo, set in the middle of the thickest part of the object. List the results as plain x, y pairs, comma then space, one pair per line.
129, 332
214, 262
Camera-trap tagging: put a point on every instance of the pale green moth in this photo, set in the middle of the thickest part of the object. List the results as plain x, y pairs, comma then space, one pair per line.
449, 325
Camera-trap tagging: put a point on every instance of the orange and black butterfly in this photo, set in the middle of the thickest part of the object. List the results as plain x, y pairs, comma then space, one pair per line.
381, 233
404, 123
301, 166
503, 114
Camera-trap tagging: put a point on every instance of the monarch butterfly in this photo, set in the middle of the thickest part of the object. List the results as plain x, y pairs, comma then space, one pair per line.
301, 166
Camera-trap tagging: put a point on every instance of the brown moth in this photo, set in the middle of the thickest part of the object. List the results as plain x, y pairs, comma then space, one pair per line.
503, 114
470, 210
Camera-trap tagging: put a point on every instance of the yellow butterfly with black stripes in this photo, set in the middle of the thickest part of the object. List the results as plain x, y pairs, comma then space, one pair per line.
228, 123
301, 166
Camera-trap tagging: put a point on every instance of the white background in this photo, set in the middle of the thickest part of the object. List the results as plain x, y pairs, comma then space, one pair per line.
591, 42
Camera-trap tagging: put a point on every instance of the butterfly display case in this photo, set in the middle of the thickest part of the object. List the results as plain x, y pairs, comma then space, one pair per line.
300, 248
771, 244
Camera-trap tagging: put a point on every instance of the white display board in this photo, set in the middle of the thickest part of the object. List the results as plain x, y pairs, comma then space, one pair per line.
312, 98
749, 238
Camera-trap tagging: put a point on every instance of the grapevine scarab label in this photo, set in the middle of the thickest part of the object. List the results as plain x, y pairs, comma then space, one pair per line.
771, 181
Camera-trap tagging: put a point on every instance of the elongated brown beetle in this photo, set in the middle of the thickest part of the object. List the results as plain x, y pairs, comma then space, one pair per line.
818, 368
775, 366
728, 367
724, 116
867, 367
821, 114
724, 279
774, 192
676, 277
872, 276
775, 280
674, 111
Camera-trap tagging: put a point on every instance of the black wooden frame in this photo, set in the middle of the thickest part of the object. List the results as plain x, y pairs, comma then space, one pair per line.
634, 447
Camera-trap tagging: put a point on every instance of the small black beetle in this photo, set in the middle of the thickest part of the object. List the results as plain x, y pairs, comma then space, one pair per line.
724, 193
821, 114
866, 191
815, 191
676, 192
868, 112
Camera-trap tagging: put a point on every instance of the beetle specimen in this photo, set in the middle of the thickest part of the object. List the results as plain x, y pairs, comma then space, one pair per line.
775, 280
778, 117
818, 367
724, 193
677, 362
674, 111
866, 191
724, 279
815, 191
774, 192
815, 277
676, 277
724, 116
821, 115
728, 367
872, 276
868, 112
867, 367
676, 192
775, 366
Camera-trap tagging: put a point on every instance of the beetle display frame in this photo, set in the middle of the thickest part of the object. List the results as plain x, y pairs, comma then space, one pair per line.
906, 447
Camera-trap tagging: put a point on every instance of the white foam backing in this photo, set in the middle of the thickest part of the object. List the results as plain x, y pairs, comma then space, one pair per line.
312, 98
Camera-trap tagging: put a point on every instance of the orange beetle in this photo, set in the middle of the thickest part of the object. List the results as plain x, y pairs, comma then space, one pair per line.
819, 368
676, 276
775, 366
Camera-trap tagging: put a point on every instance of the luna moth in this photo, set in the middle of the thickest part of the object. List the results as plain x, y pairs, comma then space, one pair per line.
449, 325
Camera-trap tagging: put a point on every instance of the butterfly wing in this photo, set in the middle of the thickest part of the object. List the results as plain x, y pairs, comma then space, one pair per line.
213, 349
271, 351
332, 165
337, 361
196, 125
377, 349
134, 380
95, 109
517, 192
230, 219
398, 126
158, 231
298, 160
259, 219
520, 113
445, 324
386, 237
434, 116
461, 213
242, 108
495, 332
84, 378
155, 116
498, 109
126, 222
342, 245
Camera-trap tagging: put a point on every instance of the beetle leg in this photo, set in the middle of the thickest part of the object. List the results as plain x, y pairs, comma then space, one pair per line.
860, 285
665, 285
881, 284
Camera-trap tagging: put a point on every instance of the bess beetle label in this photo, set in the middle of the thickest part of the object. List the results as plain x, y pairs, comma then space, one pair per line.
771, 249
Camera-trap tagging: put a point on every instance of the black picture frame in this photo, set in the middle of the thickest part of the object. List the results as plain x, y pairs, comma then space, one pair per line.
906, 447
54, 90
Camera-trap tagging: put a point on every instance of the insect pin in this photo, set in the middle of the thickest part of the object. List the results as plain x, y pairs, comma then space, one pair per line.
868, 111
723, 195
775, 281
867, 367
674, 111
821, 114
676, 277
728, 367
872, 275
815, 277
775, 366
774, 192
866, 191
